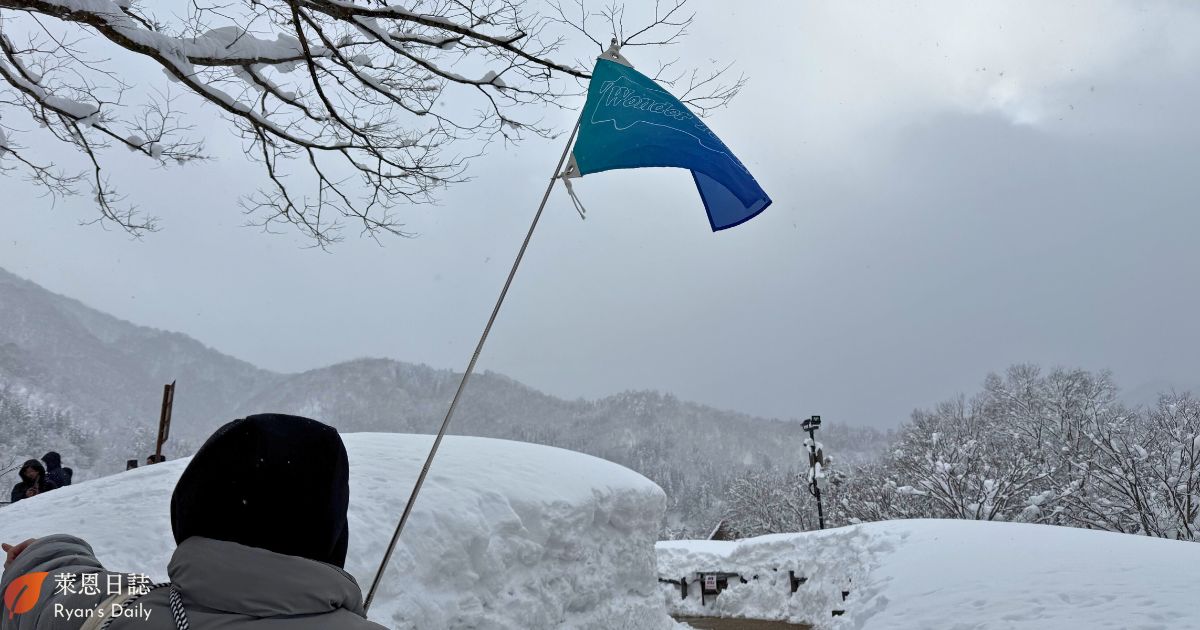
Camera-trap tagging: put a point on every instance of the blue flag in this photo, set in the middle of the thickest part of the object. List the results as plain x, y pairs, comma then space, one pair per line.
631, 122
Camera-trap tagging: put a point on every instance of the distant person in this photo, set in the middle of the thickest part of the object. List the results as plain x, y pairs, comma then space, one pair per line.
33, 481
259, 517
155, 459
55, 472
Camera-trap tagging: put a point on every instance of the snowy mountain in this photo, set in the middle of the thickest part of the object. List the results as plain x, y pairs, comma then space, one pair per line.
692, 451
107, 375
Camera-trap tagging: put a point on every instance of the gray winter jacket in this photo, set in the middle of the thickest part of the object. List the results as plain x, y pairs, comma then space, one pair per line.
222, 584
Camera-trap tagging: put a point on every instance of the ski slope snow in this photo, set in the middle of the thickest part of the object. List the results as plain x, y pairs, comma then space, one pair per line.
505, 535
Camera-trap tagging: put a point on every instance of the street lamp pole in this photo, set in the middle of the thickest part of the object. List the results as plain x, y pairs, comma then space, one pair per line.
811, 425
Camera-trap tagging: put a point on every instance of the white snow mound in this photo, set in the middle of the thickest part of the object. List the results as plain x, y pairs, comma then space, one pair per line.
505, 535
955, 575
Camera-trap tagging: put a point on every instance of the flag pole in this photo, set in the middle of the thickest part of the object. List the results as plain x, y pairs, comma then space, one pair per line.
462, 383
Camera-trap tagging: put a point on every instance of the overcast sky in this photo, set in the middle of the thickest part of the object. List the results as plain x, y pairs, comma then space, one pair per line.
958, 187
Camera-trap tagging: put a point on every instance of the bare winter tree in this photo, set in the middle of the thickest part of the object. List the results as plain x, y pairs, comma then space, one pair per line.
350, 107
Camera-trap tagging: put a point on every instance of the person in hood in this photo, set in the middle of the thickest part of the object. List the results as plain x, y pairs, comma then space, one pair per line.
33, 481
259, 519
55, 472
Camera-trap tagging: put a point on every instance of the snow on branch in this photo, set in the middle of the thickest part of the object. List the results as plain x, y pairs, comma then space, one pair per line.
350, 107
1053, 447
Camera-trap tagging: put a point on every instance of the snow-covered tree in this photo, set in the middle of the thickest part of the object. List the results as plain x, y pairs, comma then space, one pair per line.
1173, 467
350, 107
870, 493
1047, 415
1138, 472
965, 463
769, 502
30, 428
1054, 447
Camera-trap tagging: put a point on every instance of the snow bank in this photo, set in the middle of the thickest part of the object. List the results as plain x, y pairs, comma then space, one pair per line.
505, 535
831, 560
950, 574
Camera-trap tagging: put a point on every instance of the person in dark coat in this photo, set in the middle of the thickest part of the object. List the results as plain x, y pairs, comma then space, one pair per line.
259, 518
55, 472
33, 481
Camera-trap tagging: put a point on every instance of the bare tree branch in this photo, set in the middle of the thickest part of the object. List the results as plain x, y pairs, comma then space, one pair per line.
351, 107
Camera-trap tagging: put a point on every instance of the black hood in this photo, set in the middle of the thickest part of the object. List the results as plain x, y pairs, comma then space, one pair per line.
34, 464
53, 460
271, 481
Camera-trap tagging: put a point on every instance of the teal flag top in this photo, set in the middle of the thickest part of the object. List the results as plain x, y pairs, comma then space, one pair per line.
631, 122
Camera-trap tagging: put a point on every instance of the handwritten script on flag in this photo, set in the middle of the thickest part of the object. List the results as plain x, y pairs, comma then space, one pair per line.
631, 122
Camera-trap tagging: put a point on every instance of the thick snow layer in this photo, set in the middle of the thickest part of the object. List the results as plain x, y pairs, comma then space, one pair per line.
923, 574
505, 535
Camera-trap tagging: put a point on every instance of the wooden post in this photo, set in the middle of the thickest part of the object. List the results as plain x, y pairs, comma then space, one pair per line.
164, 420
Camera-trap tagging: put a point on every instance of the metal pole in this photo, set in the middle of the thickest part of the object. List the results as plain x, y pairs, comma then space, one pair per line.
816, 489
462, 384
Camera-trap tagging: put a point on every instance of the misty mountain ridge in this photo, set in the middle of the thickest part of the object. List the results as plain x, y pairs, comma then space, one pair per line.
108, 371
103, 377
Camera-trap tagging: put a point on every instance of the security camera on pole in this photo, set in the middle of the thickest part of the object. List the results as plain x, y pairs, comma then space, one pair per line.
816, 460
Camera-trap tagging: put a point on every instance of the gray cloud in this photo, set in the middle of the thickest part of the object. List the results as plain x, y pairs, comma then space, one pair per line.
933, 220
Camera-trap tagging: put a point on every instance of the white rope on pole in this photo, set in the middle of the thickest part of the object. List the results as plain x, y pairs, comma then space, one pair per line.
462, 384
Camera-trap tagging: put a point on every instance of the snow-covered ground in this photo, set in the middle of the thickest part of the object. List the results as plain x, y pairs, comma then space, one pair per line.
953, 575
505, 535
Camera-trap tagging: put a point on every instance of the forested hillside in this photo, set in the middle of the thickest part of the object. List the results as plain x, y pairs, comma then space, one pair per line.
89, 385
